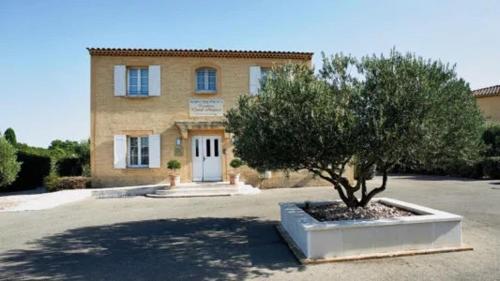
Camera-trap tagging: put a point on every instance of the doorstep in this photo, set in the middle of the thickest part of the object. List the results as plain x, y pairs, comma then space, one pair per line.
204, 189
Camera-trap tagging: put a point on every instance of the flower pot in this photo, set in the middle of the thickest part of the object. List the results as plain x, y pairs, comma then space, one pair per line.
175, 180
234, 178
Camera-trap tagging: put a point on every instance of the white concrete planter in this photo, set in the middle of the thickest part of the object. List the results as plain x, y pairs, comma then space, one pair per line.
431, 230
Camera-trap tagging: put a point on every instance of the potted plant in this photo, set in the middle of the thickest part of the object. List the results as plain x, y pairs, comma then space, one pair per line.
173, 166
234, 175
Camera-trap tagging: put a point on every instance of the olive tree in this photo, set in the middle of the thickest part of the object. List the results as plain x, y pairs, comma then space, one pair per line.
371, 112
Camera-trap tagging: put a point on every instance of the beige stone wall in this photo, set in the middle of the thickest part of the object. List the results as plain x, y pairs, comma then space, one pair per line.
112, 115
490, 107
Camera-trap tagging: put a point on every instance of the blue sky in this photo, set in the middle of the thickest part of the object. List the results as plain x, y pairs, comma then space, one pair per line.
44, 66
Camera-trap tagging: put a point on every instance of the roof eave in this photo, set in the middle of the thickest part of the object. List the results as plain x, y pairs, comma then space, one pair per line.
199, 53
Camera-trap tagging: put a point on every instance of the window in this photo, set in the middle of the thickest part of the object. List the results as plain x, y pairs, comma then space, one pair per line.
206, 80
138, 151
137, 81
216, 147
208, 147
264, 73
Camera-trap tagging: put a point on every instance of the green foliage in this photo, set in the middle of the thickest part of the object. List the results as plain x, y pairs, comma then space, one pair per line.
491, 167
491, 138
9, 166
376, 111
34, 168
71, 149
70, 166
10, 136
173, 165
51, 181
55, 183
236, 163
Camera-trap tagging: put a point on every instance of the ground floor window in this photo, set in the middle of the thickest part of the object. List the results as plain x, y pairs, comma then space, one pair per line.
138, 151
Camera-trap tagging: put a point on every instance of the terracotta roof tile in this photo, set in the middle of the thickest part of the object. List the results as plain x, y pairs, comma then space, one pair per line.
199, 53
487, 92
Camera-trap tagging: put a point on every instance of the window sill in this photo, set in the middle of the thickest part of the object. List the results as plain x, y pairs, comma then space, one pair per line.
137, 96
137, 167
205, 92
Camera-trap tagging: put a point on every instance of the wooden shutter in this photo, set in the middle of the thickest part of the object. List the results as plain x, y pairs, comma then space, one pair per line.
254, 80
154, 151
120, 152
120, 80
154, 80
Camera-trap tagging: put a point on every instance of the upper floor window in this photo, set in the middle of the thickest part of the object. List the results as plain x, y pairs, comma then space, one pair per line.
264, 72
137, 83
206, 80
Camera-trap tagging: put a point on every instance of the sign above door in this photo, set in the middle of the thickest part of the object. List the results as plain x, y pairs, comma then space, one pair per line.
206, 107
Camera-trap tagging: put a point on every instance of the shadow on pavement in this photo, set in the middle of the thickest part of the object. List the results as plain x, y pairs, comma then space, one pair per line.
433, 178
172, 249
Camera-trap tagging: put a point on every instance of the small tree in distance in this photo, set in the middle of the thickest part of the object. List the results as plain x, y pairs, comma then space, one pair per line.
10, 136
9, 166
370, 112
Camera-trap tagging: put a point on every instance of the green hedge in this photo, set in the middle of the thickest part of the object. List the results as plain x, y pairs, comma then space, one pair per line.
491, 137
55, 183
34, 168
491, 167
67, 167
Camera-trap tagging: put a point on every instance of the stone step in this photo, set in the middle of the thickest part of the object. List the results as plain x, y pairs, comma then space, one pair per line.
196, 190
204, 190
187, 195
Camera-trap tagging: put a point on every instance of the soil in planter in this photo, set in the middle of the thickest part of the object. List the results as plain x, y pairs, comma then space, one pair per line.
337, 211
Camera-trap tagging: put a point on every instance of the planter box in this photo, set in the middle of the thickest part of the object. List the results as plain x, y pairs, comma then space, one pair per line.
429, 231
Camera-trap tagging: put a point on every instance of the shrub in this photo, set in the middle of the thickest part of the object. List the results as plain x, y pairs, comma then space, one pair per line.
471, 169
491, 167
70, 166
34, 168
173, 165
51, 181
55, 183
9, 167
236, 163
491, 137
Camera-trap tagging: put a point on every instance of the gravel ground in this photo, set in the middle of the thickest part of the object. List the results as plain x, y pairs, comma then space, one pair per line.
338, 211
232, 238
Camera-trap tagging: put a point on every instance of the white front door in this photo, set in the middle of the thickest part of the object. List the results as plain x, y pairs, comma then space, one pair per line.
206, 151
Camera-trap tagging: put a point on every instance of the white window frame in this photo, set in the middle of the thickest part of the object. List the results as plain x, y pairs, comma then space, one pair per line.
139, 152
139, 81
206, 80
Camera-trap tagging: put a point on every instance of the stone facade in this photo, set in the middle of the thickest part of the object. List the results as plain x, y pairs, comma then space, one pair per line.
168, 115
490, 107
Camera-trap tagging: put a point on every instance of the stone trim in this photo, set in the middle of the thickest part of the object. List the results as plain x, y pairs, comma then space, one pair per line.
186, 126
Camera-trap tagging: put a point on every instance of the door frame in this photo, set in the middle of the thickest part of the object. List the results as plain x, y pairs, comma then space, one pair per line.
221, 154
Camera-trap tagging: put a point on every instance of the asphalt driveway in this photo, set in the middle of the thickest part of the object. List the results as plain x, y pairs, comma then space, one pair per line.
232, 238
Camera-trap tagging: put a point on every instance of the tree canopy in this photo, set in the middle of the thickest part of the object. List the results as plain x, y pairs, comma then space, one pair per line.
373, 111
10, 136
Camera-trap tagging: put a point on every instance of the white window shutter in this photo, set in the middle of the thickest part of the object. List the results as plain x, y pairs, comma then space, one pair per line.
154, 80
120, 152
120, 80
154, 151
254, 80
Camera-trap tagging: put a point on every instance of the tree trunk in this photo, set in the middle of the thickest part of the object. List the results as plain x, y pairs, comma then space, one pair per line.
347, 191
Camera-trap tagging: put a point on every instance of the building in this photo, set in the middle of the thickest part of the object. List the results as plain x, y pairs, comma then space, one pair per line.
488, 100
149, 106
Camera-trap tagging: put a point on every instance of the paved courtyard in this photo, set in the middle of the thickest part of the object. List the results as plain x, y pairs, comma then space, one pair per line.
232, 238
